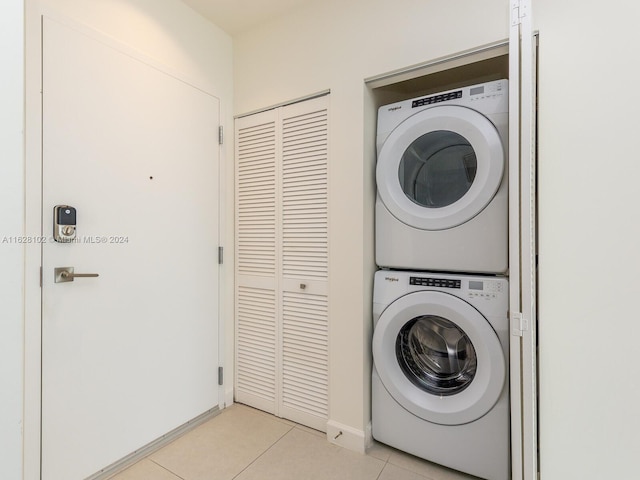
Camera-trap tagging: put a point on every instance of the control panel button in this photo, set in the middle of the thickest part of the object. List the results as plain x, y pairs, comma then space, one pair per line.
421, 102
434, 282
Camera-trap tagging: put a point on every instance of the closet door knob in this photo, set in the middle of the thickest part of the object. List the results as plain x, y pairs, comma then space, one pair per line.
303, 286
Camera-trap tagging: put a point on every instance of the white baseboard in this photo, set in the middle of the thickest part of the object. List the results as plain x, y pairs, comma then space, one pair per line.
368, 437
228, 397
349, 437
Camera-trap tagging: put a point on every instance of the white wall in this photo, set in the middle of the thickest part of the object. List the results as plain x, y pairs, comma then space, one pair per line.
11, 254
336, 45
168, 32
588, 170
589, 245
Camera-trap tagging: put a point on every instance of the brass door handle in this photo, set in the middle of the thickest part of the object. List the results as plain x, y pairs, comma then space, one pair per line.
66, 274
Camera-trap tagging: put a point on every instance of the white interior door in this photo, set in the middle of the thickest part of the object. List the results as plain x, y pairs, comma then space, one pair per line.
133, 353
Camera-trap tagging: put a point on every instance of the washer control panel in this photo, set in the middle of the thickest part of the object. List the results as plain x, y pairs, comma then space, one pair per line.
479, 288
488, 293
484, 289
434, 282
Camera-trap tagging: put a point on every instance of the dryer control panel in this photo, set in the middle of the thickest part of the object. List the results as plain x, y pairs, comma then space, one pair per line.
421, 102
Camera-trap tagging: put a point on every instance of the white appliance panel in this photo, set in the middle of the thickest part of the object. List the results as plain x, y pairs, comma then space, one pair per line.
464, 423
442, 189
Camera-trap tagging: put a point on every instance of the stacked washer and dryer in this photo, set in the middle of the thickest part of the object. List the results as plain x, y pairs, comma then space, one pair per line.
440, 383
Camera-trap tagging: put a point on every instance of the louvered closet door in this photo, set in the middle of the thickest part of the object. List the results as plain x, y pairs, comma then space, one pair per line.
256, 258
282, 262
304, 396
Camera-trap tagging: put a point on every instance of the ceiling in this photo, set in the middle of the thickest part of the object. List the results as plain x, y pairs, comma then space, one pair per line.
235, 16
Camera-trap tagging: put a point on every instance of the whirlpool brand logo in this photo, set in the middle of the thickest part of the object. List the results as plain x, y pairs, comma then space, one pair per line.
392, 109
392, 279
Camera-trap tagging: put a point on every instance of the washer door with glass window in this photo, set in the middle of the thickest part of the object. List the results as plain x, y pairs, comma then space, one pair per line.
440, 167
439, 358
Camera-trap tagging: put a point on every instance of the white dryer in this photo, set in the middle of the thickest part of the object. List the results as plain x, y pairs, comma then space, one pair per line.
440, 387
442, 201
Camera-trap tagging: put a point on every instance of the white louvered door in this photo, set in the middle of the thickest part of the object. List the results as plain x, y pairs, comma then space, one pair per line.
256, 298
282, 262
304, 263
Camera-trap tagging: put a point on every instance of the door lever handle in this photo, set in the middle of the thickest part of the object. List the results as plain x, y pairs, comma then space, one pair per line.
66, 274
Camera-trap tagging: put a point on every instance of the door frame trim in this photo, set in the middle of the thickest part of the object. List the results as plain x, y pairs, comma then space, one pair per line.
523, 241
32, 406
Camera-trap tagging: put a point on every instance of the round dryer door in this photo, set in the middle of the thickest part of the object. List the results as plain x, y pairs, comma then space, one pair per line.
440, 167
439, 358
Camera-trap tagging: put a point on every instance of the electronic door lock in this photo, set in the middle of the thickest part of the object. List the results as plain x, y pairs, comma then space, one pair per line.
64, 223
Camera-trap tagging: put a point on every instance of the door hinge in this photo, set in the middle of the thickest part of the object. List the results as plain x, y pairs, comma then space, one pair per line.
40, 277
518, 11
220, 376
220, 255
220, 135
519, 324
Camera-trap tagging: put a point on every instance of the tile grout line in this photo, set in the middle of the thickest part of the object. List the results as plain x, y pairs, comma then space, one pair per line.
402, 468
383, 467
259, 456
165, 468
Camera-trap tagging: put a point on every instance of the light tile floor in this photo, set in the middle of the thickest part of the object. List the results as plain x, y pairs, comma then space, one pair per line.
246, 444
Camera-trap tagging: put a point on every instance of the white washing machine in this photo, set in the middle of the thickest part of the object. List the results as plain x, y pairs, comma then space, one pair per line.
440, 387
442, 200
